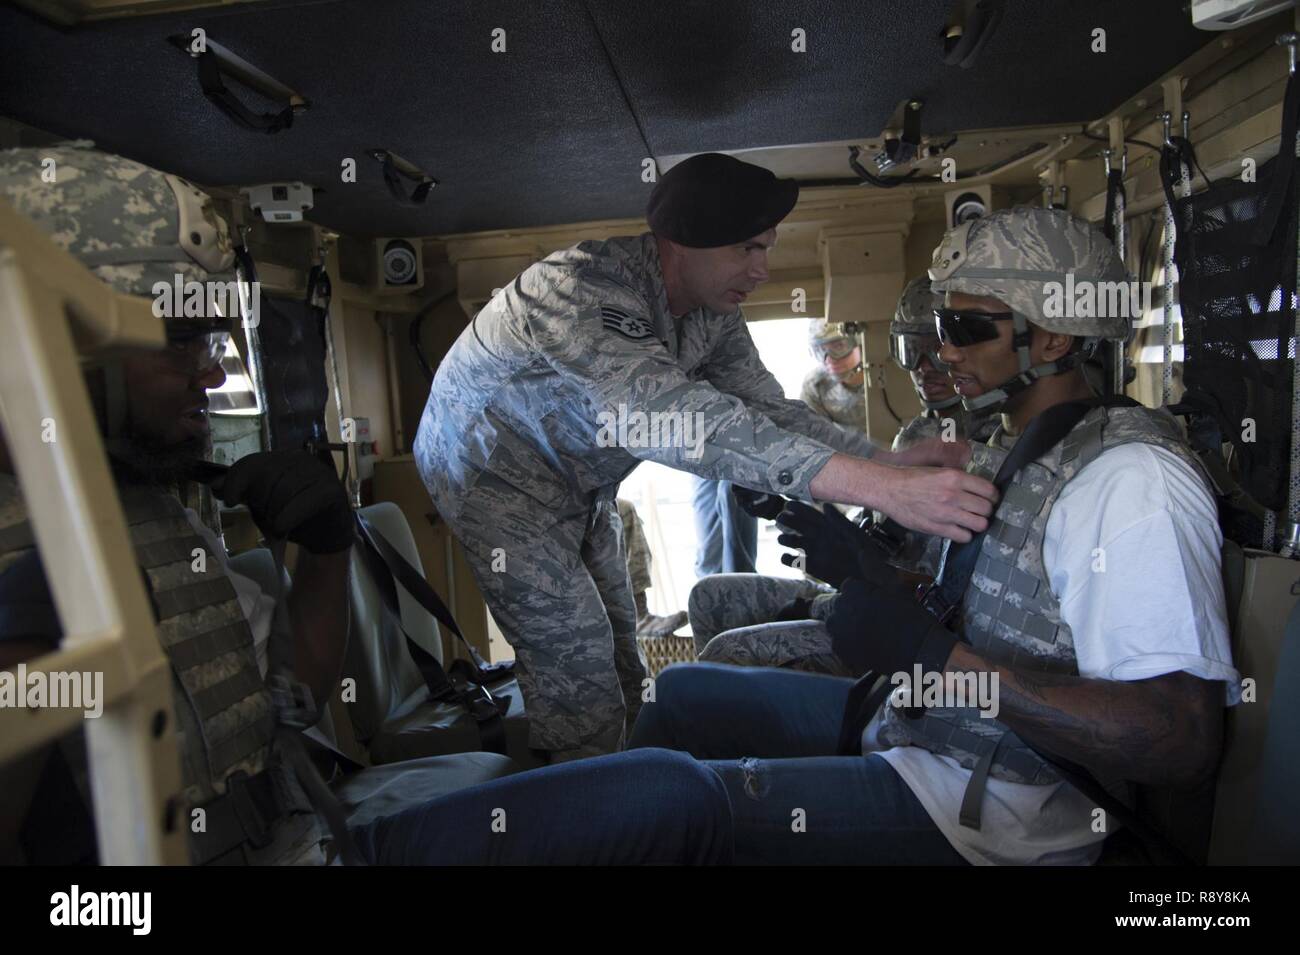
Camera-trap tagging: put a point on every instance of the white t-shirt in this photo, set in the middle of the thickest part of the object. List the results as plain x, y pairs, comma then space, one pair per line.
1158, 607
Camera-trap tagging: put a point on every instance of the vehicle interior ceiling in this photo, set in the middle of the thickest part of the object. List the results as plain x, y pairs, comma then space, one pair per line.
528, 161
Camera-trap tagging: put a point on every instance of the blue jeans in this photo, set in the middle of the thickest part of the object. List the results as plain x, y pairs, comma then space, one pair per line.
644, 808
726, 538
771, 735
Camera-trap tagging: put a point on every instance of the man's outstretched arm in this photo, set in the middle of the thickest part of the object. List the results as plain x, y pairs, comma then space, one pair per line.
942, 501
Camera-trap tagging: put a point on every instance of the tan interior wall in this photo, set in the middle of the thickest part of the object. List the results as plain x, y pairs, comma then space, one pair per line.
367, 370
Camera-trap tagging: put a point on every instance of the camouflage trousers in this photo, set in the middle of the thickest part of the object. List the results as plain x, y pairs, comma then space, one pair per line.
732, 618
638, 551
557, 586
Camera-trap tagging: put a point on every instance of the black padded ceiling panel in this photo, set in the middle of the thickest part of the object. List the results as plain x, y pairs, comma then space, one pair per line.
716, 76
555, 129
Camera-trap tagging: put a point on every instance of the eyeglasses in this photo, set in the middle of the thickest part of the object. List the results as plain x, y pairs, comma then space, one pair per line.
835, 349
908, 348
961, 328
198, 346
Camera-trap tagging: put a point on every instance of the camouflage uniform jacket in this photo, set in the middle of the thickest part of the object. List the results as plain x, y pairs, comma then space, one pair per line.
576, 371
831, 398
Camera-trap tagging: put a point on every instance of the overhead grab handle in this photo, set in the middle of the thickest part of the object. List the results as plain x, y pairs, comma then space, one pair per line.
216, 63
971, 24
396, 169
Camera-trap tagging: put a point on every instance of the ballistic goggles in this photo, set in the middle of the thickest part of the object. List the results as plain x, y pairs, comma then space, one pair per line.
908, 348
835, 349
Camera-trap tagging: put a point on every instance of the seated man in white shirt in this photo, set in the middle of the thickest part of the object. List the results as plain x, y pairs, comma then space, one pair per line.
1094, 618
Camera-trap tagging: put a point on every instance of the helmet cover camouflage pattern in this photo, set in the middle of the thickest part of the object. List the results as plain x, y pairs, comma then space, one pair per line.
1054, 268
132, 225
821, 330
915, 312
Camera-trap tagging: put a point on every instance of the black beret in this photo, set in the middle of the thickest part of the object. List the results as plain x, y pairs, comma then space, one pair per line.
712, 200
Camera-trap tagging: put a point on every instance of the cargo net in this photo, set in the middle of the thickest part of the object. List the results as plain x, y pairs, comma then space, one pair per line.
1236, 287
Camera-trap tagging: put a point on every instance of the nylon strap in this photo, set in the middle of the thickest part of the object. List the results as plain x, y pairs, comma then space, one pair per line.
388, 567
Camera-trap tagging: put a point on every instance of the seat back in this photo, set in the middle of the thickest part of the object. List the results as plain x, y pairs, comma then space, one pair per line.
1276, 839
1269, 588
377, 656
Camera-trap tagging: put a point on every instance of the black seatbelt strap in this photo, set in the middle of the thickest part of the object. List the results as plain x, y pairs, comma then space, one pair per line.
1043, 433
863, 702
388, 567
1114, 191
415, 584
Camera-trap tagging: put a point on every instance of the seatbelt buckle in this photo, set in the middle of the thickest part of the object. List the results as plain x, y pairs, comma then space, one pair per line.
257, 828
930, 596
295, 706
478, 700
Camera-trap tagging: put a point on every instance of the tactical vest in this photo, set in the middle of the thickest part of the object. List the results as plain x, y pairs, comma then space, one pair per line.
225, 711
921, 553
929, 424
1009, 614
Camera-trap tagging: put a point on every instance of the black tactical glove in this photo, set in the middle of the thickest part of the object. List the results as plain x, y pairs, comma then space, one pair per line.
798, 609
293, 496
835, 548
884, 630
758, 503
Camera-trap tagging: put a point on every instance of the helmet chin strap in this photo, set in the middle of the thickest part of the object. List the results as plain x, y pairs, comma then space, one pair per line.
941, 405
1011, 388
1028, 373
840, 376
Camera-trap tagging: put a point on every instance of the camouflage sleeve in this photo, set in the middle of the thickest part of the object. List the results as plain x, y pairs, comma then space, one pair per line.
734, 367
808, 395
598, 334
911, 432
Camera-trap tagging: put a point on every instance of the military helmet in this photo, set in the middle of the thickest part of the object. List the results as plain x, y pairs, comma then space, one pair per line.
821, 330
1054, 268
915, 312
133, 226
136, 228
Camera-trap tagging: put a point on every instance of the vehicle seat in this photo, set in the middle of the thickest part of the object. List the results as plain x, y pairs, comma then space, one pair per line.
1276, 839
1247, 784
392, 714
376, 791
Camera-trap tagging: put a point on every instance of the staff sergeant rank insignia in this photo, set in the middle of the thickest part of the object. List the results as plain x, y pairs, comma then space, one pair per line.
629, 326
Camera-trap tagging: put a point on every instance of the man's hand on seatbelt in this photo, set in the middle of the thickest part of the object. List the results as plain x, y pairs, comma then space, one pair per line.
885, 630
941, 501
292, 496
946, 502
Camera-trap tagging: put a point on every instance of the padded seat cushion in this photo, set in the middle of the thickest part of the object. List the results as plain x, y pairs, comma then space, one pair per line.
380, 791
421, 727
